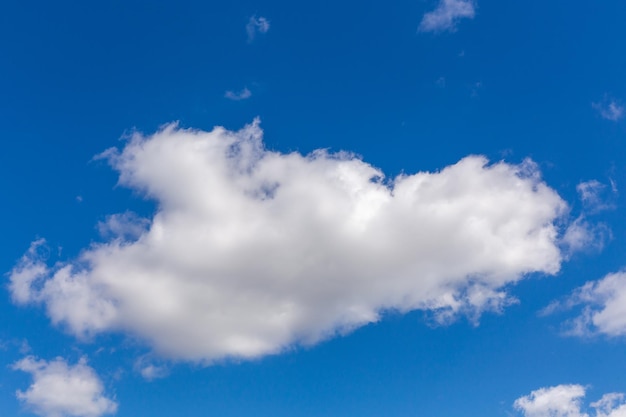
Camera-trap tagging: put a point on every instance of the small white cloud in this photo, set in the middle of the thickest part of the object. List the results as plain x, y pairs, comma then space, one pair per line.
604, 307
256, 25
447, 14
253, 251
30, 269
239, 95
558, 401
609, 109
567, 401
62, 390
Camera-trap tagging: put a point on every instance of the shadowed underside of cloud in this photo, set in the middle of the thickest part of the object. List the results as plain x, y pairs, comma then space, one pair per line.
566, 401
253, 251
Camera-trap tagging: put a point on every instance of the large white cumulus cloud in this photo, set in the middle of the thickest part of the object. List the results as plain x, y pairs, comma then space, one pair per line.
252, 251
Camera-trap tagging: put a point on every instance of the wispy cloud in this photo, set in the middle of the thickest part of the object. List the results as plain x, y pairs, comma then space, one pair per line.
244, 94
583, 234
610, 109
256, 25
447, 14
59, 389
596, 196
149, 370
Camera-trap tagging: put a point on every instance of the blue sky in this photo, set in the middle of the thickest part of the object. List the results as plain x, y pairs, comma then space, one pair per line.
409, 209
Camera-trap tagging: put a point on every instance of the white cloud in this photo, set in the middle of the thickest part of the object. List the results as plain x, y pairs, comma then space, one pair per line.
610, 405
447, 14
29, 269
558, 401
60, 390
256, 25
252, 251
604, 307
567, 401
238, 95
583, 235
609, 109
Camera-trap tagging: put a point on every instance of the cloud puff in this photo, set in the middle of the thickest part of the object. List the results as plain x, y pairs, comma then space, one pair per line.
239, 95
252, 251
566, 401
604, 307
446, 16
256, 25
609, 109
60, 390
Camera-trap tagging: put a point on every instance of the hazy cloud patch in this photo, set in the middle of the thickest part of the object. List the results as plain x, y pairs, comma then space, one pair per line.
238, 95
446, 15
256, 25
609, 109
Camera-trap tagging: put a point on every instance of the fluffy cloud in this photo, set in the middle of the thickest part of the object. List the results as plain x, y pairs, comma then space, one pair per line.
238, 95
60, 390
604, 307
252, 251
447, 15
256, 25
566, 401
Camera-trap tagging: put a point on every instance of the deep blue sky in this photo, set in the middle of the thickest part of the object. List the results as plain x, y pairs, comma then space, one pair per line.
518, 80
